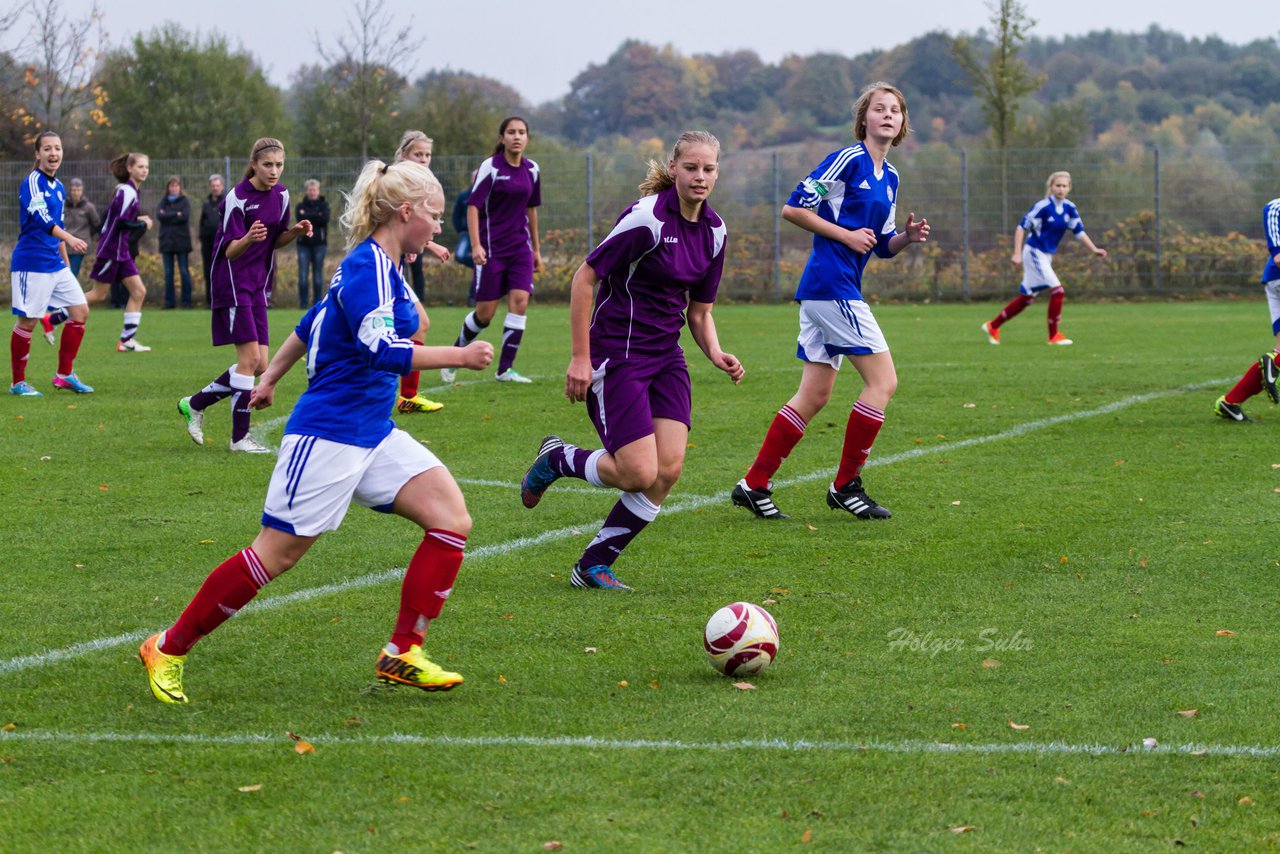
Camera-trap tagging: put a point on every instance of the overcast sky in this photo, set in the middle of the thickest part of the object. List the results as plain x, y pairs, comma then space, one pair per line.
539, 46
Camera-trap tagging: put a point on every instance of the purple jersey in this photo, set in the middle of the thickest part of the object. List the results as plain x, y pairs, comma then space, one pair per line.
503, 194
113, 242
247, 280
650, 266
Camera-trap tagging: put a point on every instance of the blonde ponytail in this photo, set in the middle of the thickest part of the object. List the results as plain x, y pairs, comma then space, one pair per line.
379, 192
659, 177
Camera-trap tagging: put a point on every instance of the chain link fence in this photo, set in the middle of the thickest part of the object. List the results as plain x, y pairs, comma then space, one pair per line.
1176, 222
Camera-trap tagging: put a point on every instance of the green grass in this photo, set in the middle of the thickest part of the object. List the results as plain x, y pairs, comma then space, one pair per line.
1112, 546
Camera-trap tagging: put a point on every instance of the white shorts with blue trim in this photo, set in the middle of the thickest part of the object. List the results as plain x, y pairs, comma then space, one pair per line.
316, 480
36, 293
1037, 271
833, 329
1273, 302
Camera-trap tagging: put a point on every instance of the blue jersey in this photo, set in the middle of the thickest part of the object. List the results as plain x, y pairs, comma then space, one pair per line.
1271, 225
846, 190
40, 201
358, 345
1047, 222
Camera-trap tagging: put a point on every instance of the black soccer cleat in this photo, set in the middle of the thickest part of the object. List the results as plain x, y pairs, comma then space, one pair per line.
1229, 411
855, 500
1267, 365
758, 501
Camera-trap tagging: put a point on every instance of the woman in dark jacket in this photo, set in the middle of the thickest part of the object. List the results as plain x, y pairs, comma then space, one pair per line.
210, 218
311, 250
174, 213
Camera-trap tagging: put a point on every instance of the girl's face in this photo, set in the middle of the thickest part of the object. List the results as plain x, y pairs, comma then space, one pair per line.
695, 169
268, 168
425, 222
884, 117
515, 137
49, 156
140, 169
75, 192
419, 152
1059, 187
173, 188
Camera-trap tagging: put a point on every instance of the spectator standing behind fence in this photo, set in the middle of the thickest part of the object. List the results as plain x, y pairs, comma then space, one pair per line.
1042, 229
1262, 374
82, 221
312, 248
502, 219
210, 216
174, 213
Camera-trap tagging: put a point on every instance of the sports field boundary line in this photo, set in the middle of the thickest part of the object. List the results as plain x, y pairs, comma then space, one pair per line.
589, 742
677, 505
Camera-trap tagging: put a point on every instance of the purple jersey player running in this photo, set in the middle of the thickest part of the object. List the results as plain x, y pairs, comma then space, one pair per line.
663, 258
849, 203
255, 223
502, 219
1043, 228
115, 262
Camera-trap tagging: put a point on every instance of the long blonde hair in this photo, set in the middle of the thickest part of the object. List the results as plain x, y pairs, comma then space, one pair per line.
380, 191
659, 177
863, 103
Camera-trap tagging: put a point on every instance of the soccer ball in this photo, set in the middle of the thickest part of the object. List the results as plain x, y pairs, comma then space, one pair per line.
741, 639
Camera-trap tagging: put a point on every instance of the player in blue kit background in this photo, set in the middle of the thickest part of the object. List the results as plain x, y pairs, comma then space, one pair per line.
1262, 374
340, 443
849, 203
664, 256
1043, 228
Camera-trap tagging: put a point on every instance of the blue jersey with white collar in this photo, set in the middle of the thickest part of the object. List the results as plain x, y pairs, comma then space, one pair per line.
846, 190
358, 346
1048, 221
40, 200
1271, 225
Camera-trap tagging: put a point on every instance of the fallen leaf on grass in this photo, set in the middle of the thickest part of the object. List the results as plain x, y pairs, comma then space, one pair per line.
301, 745
1246, 801
506, 616
589, 649
256, 787
1144, 562
1064, 559
807, 836
1119, 462
744, 686
991, 663
336, 618
1208, 542
810, 527
1062, 781
553, 845
1150, 743
1020, 727
781, 590
970, 406
1224, 633
403, 799
958, 725
9, 727
623, 684
654, 684
206, 542
502, 680
1197, 794
955, 503
769, 602
354, 720
102, 487
1189, 713
962, 828
78, 565
45, 459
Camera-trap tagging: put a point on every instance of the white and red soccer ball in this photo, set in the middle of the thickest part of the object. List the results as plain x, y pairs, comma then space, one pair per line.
741, 639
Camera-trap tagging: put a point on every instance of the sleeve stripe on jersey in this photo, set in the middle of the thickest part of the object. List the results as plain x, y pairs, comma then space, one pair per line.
1273, 223
37, 204
837, 166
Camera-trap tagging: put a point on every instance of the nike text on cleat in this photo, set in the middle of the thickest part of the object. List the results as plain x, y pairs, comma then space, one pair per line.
541, 474
417, 403
131, 346
1060, 340
854, 499
24, 389
510, 375
597, 577
448, 375
249, 445
164, 672
71, 382
993, 332
194, 419
1229, 411
1267, 365
413, 668
758, 501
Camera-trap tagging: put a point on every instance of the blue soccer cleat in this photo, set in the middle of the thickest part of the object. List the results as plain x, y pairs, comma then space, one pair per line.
71, 382
597, 577
24, 389
541, 474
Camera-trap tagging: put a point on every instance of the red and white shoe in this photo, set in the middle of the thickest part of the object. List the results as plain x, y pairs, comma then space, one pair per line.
993, 333
1060, 339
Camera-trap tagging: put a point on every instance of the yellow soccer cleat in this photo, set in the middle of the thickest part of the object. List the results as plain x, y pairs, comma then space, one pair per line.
417, 403
164, 672
415, 669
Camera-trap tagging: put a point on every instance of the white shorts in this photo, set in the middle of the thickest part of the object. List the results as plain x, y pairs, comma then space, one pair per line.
833, 329
316, 480
1273, 303
36, 293
1037, 271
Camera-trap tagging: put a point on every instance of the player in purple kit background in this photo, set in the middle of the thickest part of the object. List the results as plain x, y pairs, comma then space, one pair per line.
849, 203
1042, 229
255, 223
115, 261
502, 219
663, 258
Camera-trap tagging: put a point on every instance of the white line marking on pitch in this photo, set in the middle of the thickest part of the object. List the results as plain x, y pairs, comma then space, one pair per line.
594, 743
692, 502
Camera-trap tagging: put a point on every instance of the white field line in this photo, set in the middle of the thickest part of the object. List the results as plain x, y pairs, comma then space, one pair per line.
683, 504
595, 743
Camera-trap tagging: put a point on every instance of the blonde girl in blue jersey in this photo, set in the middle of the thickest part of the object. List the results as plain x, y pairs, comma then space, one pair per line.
340, 444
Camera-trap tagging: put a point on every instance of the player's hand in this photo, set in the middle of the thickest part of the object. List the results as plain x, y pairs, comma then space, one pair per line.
477, 355
1100, 252
917, 232
77, 246
302, 227
478, 255
146, 220
441, 253
263, 395
1016, 260
860, 240
729, 363
537, 262
577, 379
257, 232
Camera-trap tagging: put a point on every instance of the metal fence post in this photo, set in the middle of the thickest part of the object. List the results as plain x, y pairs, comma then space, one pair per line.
591, 207
777, 231
964, 208
1156, 167
226, 171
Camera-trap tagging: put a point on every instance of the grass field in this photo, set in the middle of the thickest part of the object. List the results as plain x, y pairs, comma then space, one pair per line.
1078, 547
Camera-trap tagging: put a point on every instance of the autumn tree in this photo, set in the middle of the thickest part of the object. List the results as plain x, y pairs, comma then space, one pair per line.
336, 116
62, 92
461, 111
639, 87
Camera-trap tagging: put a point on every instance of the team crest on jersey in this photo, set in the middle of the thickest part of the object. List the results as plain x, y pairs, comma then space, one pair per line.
815, 187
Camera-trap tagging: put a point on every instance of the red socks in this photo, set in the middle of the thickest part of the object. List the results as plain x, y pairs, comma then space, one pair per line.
427, 583
1056, 297
785, 433
72, 335
19, 350
1249, 385
1012, 310
859, 435
227, 589
409, 382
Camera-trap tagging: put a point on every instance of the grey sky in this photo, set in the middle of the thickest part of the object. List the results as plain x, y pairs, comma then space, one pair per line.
540, 45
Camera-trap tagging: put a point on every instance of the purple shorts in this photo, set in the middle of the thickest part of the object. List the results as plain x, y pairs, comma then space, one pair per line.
110, 271
245, 324
501, 275
627, 394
